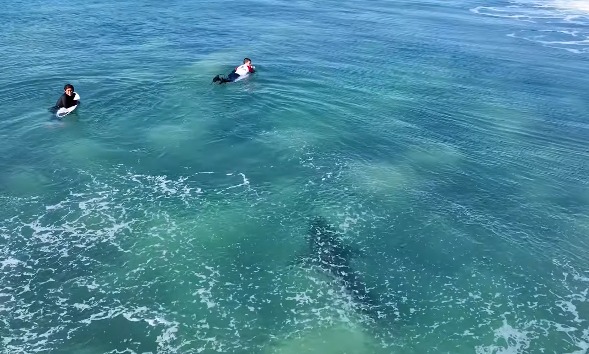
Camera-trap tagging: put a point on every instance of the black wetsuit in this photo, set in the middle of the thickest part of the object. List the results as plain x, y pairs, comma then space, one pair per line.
230, 78
65, 101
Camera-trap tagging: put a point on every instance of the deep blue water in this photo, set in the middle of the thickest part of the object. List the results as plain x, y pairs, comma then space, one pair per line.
445, 142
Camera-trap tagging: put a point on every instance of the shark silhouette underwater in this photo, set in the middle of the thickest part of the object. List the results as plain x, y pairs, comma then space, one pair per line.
328, 252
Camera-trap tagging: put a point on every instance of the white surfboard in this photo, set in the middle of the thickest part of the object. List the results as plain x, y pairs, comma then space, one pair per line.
241, 77
62, 112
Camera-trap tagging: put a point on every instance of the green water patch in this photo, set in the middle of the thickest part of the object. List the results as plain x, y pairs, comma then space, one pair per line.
24, 181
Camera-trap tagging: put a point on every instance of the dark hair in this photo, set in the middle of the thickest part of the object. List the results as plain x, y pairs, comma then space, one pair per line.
67, 86
246, 60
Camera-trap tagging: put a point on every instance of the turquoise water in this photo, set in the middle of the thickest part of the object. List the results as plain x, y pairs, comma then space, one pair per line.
446, 141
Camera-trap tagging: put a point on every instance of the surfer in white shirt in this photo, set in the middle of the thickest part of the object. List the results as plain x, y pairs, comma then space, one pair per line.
245, 69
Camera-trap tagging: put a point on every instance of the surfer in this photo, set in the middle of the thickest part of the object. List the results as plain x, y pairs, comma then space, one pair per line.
244, 69
66, 100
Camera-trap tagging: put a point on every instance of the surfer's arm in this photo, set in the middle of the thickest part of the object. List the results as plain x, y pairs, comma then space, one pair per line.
60, 102
251, 69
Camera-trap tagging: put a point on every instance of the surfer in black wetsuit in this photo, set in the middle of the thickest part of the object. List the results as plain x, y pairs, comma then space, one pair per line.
242, 70
67, 99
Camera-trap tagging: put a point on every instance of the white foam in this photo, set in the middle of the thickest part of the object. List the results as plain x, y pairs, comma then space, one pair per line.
205, 294
245, 183
10, 262
508, 340
558, 15
102, 315
568, 306
82, 307
301, 298
167, 337
575, 5
57, 206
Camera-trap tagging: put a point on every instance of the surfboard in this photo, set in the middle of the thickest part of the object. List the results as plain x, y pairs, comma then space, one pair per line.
62, 112
241, 77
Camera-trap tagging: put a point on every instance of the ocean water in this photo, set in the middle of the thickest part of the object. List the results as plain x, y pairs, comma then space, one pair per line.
445, 141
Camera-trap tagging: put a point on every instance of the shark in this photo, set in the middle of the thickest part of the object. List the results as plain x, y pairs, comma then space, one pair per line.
328, 251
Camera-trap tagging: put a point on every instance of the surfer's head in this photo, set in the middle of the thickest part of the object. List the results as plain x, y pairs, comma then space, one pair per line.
247, 61
68, 89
